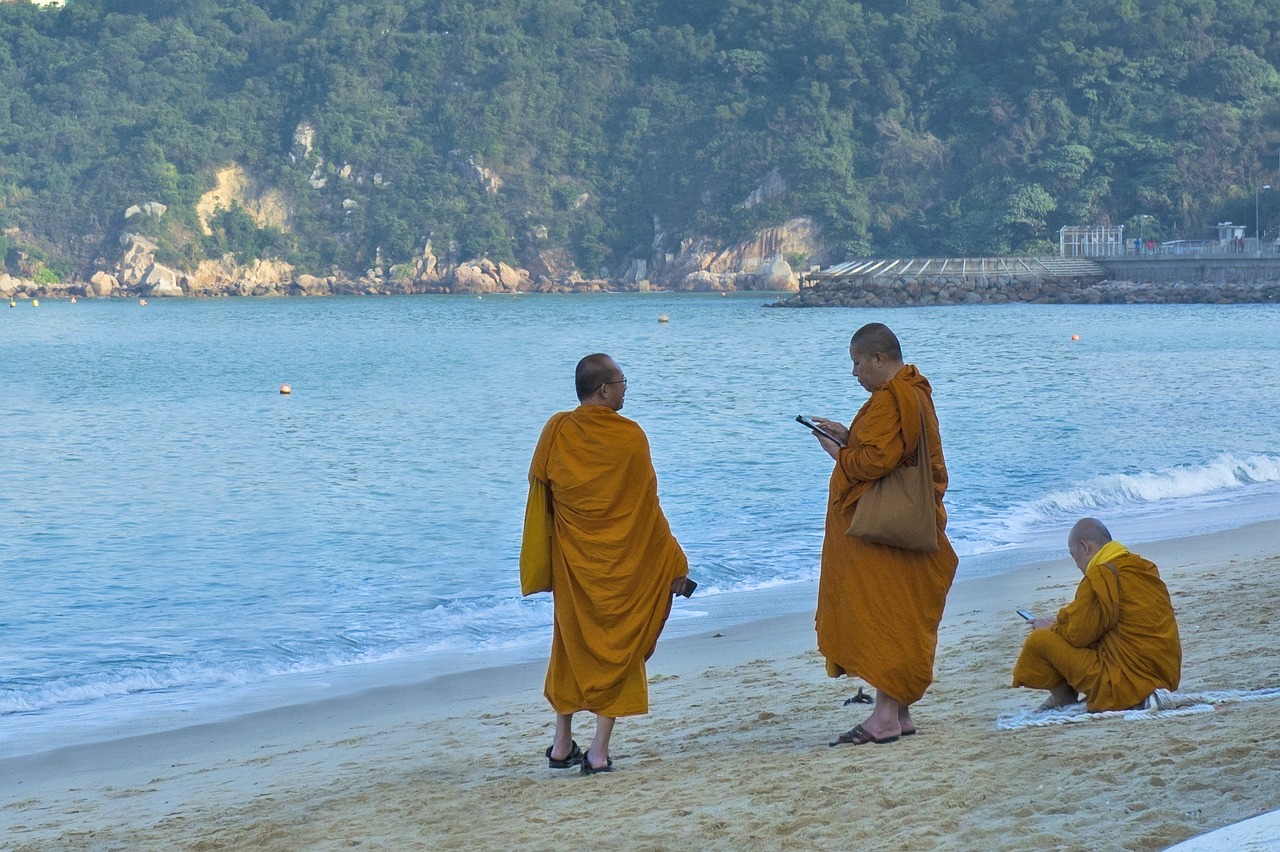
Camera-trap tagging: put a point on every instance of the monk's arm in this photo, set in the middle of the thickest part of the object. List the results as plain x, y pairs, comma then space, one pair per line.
1083, 621
875, 443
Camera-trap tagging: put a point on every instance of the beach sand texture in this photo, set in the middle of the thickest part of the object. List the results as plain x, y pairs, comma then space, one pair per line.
733, 755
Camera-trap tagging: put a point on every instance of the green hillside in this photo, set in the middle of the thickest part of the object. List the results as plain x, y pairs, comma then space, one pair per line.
500, 128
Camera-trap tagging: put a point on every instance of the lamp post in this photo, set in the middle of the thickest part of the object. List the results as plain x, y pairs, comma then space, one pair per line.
1257, 229
1142, 233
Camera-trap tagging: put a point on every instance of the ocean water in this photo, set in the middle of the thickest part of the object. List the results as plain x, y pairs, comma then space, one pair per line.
177, 535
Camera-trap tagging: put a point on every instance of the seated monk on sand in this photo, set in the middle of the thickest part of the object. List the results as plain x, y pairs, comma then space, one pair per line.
1117, 642
614, 562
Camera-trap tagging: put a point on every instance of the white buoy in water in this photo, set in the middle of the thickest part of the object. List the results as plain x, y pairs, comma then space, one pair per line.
663, 318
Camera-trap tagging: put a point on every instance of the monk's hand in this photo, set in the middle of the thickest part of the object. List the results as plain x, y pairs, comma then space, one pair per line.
1043, 622
829, 446
677, 585
840, 430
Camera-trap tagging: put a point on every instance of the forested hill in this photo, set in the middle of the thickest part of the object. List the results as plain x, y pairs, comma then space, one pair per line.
616, 129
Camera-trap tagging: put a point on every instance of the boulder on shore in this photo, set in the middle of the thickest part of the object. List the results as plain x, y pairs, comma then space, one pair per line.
102, 284
161, 281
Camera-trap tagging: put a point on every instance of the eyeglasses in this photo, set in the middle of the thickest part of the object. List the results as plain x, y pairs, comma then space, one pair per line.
622, 381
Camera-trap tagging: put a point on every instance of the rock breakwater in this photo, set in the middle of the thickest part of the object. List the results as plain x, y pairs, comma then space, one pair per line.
889, 292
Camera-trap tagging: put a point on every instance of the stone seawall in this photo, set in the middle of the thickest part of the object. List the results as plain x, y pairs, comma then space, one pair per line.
890, 292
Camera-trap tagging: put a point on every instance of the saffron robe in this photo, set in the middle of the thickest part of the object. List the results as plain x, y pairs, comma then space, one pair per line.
1116, 642
613, 559
879, 606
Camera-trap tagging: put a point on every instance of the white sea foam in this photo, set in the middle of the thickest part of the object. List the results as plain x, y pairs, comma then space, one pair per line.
1180, 491
1225, 472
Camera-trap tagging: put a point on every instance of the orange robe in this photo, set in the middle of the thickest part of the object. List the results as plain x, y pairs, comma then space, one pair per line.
879, 606
1116, 642
613, 558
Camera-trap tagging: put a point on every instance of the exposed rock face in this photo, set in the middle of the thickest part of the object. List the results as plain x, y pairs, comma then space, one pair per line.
551, 265
161, 281
139, 255
470, 278
10, 286
310, 285
153, 209
483, 276
513, 279
754, 264
268, 206
469, 167
303, 137
226, 277
773, 186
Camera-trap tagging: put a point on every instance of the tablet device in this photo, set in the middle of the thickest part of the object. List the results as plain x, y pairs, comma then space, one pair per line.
805, 421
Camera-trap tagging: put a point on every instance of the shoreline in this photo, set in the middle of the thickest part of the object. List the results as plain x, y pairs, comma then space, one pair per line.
736, 738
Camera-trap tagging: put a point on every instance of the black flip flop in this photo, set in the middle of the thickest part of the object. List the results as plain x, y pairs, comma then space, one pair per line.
575, 756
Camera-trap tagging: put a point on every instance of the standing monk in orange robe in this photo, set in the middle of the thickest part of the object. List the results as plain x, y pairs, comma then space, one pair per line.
614, 562
1117, 642
879, 606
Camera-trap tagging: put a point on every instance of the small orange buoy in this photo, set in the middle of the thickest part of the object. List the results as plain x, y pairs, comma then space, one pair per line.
73, 300
285, 389
142, 302
1075, 337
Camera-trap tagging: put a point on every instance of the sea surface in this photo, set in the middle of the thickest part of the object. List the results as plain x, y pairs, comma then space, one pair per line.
178, 536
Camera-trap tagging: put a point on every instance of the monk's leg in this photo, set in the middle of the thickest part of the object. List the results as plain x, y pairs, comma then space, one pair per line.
598, 752
885, 717
562, 745
1050, 662
1060, 696
905, 722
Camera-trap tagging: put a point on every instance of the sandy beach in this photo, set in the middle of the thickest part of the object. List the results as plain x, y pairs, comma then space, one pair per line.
733, 755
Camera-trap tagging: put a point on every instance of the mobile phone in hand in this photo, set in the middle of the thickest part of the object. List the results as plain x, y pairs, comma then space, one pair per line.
689, 586
1026, 615
805, 421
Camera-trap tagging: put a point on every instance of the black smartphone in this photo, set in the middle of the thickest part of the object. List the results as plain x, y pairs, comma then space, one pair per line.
1026, 615
805, 421
689, 586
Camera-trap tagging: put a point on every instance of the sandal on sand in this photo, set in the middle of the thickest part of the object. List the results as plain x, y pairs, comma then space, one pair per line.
575, 756
588, 769
859, 735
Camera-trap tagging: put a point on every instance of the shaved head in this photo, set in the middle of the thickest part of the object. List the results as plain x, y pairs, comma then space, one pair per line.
1088, 529
592, 372
875, 338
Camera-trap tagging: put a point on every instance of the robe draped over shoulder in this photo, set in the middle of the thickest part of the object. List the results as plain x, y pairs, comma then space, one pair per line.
878, 606
613, 559
1117, 641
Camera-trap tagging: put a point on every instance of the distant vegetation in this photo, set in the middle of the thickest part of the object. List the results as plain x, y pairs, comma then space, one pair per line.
902, 127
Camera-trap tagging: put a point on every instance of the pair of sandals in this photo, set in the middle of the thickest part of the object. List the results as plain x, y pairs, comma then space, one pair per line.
578, 756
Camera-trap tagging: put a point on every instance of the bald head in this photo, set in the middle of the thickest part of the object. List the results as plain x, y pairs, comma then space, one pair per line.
1086, 538
875, 338
592, 372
